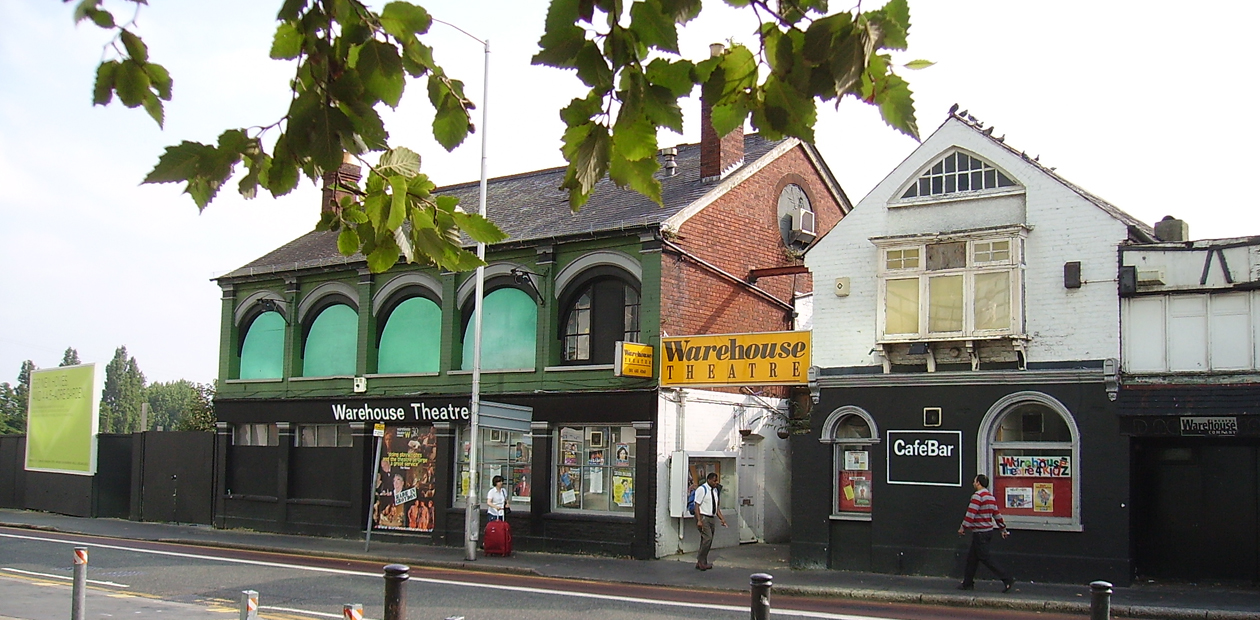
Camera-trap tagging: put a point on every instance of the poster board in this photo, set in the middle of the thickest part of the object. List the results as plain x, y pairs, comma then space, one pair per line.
1034, 486
63, 418
406, 480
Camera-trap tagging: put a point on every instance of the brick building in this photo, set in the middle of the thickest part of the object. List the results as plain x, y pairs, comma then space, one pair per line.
315, 349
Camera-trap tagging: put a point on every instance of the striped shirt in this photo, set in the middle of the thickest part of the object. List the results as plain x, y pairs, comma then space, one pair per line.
982, 513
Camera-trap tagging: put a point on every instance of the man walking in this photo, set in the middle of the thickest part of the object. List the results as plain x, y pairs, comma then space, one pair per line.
708, 505
982, 518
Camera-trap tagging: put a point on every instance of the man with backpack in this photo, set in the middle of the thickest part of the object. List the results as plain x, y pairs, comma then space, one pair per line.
708, 505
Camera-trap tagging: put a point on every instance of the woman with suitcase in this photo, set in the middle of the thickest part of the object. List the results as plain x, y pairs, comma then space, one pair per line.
498, 535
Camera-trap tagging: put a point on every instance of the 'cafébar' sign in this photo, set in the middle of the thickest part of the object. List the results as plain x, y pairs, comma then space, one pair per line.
768, 358
928, 458
633, 360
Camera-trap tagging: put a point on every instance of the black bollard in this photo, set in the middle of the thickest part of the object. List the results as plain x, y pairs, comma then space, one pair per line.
1100, 604
761, 583
396, 576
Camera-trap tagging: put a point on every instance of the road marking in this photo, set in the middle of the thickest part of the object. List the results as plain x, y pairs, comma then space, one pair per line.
63, 577
305, 612
487, 586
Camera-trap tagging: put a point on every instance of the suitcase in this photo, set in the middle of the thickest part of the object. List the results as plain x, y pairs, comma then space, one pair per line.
497, 539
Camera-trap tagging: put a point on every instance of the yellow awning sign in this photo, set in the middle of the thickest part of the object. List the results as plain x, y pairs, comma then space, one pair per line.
633, 360
767, 358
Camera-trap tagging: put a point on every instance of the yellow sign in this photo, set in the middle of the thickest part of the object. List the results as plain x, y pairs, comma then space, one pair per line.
633, 360
768, 358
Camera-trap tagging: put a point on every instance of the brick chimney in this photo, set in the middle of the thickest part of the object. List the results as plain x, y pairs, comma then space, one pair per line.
346, 175
718, 156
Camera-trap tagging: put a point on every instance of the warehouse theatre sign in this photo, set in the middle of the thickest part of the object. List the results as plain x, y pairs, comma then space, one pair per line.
767, 358
927, 458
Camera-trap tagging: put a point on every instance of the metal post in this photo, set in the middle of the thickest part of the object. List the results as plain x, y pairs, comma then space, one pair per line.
249, 605
352, 611
396, 576
78, 605
472, 505
761, 583
1100, 604
175, 498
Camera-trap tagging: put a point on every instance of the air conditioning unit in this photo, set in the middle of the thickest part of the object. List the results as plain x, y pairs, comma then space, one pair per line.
1150, 276
803, 228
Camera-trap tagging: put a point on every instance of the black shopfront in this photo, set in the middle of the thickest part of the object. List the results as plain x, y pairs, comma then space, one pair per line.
1196, 480
581, 468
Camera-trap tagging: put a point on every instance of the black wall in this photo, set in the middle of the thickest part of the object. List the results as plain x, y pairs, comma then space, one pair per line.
177, 477
12, 471
913, 529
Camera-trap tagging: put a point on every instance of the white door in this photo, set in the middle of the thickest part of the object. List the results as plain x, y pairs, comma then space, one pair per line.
750, 490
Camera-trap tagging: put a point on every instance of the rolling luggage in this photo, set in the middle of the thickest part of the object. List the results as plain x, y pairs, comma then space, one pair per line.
497, 539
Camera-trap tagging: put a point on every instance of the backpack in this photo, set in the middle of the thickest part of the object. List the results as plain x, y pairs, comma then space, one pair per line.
691, 501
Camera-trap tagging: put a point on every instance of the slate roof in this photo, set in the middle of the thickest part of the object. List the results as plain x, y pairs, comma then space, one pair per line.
531, 207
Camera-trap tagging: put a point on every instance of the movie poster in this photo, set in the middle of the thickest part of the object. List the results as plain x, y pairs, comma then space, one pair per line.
1019, 498
1043, 497
623, 487
405, 480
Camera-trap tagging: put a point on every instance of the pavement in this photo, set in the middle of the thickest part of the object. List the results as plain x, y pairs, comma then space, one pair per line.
733, 566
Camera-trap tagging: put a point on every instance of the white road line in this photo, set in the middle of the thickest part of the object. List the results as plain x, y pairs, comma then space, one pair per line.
27, 572
488, 586
302, 611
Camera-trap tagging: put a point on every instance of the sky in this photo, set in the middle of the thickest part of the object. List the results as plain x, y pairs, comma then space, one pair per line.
1149, 106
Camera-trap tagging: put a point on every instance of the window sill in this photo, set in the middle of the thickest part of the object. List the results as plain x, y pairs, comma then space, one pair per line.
247, 381
321, 378
851, 516
578, 368
955, 197
1016, 523
911, 339
569, 514
403, 375
502, 371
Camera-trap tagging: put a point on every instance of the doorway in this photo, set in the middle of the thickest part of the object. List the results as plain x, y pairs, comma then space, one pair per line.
751, 485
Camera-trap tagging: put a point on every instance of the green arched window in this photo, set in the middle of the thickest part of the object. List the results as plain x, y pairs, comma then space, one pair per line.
331, 343
412, 338
262, 350
509, 331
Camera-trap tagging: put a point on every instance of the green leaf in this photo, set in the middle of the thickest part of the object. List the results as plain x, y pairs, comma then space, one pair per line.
728, 116
917, 65
180, 162
131, 83
403, 19
580, 111
451, 122
479, 228
380, 68
347, 242
258, 164
896, 104
159, 79
287, 43
384, 256
676, 76
592, 68
634, 136
682, 11
400, 161
586, 147
154, 108
83, 10
638, 175
893, 21
355, 216
136, 48
786, 111
850, 54
417, 58
398, 203
447, 203
102, 18
282, 176
420, 186
374, 206
652, 27
558, 48
822, 34
368, 125
103, 90
662, 109
291, 9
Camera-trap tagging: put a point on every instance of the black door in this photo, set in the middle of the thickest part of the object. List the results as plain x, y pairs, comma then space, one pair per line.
1195, 509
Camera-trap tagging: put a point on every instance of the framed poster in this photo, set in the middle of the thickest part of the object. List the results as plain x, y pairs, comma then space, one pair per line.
622, 455
596, 439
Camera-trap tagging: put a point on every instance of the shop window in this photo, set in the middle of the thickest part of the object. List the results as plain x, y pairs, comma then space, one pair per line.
500, 453
262, 348
509, 330
595, 316
595, 468
323, 436
332, 341
256, 435
1030, 447
852, 433
410, 342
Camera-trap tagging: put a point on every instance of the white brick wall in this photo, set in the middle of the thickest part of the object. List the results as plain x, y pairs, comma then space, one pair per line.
1063, 324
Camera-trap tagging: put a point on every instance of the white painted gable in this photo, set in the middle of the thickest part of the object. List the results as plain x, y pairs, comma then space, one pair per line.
1062, 224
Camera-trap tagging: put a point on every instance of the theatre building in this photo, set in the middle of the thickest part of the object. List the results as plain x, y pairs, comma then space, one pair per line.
316, 350
967, 322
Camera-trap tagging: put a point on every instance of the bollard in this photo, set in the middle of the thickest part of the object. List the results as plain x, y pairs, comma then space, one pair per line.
396, 576
761, 583
249, 605
352, 611
1100, 604
78, 604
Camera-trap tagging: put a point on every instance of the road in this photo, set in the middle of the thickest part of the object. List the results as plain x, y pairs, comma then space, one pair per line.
142, 579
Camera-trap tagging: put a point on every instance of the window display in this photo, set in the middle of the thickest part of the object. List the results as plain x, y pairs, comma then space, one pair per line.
595, 468
1031, 442
500, 453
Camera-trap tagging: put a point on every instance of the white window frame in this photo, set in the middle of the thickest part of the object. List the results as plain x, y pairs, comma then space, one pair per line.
839, 445
987, 446
343, 435
899, 199
248, 434
1014, 266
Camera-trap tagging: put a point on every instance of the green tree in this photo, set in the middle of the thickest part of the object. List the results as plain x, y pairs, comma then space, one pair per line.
123, 393
10, 412
179, 405
70, 358
349, 60
201, 416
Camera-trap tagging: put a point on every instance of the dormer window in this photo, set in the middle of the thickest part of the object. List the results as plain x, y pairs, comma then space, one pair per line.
957, 172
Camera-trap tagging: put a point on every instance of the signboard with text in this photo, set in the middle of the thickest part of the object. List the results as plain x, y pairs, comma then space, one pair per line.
633, 360
927, 458
767, 358
63, 420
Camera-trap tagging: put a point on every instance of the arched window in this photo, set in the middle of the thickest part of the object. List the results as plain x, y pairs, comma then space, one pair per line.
600, 308
411, 336
332, 340
957, 172
852, 432
262, 348
1030, 447
509, 330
